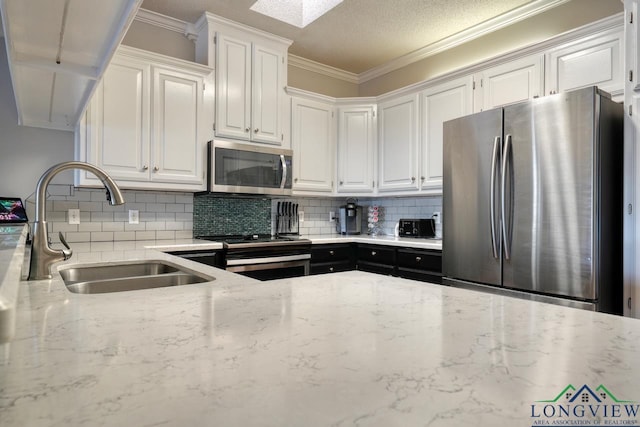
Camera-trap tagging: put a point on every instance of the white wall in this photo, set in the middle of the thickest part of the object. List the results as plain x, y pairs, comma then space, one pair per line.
26, 152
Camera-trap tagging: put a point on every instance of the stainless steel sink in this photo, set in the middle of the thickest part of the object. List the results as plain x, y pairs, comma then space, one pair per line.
128, 276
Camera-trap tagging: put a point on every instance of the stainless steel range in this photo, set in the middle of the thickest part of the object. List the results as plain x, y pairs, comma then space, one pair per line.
265, 257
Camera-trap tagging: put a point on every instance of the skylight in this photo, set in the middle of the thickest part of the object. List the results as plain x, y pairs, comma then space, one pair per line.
299, 13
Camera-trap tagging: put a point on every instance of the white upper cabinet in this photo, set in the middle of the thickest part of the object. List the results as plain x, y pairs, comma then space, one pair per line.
313, 143
145, 125
597, 60
251, 76
508, 83
356, 148
55, 69
398, 143
439, 103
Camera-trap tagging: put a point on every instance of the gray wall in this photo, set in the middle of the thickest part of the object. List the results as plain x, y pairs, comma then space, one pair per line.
26, 152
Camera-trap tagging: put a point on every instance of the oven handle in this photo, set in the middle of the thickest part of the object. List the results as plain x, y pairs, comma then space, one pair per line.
270, 266
267, 260
284, 171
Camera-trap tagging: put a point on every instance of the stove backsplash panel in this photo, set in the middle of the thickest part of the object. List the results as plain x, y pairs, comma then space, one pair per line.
218, 215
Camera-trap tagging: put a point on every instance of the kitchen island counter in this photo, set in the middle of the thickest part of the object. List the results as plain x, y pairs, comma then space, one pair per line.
350, 348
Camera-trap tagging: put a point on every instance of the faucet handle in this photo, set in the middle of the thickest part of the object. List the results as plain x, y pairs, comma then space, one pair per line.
65, 252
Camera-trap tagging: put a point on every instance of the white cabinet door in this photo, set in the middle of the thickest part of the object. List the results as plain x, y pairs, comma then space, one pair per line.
508, 83
356, 149
596, 61
177, 149
440, 103
268, 95
398, 149
313, 140
233, 88
118, 122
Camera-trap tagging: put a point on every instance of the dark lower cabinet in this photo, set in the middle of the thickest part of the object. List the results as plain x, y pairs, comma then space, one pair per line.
376, 258
332, 258
417, 264
420, 264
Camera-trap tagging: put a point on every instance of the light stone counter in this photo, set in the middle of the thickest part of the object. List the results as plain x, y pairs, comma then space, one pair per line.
345, 349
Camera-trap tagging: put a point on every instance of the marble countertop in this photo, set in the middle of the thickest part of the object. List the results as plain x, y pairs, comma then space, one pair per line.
342, 349
408, 242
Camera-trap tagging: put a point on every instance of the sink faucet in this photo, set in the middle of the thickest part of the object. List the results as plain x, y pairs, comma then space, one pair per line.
42, 255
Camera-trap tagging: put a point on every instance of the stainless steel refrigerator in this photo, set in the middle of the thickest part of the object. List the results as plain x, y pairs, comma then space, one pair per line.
532, 200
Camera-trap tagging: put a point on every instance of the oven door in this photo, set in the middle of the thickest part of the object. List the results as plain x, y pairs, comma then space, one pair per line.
271, 268
242, 168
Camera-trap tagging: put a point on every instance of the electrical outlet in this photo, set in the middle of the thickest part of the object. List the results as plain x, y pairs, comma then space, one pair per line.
74, 216
332, 216
134, 216
301, 216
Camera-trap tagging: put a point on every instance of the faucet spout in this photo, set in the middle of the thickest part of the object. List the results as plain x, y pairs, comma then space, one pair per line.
42, 255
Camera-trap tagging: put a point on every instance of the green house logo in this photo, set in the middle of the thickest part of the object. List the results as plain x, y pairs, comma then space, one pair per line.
586, 406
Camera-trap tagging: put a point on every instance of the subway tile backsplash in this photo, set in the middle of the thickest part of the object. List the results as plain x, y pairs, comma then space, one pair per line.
162, 215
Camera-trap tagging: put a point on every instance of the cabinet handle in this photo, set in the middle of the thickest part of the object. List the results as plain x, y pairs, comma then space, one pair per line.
330, 252
145, 167
373, 253
295, 179
156, 169
341, 182
422, 178
418, 259
247, 130
413, 179
331, 269
256, 130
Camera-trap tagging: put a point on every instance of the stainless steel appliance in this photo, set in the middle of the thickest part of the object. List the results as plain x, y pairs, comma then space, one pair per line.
234, 167
532, 200
425, 228
350, 218
265, 257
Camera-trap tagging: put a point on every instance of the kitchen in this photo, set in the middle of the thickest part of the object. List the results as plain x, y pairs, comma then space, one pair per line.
173, 209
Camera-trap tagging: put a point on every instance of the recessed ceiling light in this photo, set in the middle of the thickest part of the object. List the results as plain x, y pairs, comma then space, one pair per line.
295, 12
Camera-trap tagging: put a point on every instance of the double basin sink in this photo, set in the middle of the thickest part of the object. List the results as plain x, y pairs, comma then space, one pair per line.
128, 276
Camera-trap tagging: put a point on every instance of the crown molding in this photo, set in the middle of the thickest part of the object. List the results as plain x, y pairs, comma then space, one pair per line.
462, 37
165, 22
317, 67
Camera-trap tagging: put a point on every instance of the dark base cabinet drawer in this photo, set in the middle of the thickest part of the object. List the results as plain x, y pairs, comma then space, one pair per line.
331, 252
420, 260
422, 276
332, 267
377, 254
373, 267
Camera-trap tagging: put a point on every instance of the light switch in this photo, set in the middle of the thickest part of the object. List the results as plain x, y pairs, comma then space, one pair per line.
134, 216
74, 216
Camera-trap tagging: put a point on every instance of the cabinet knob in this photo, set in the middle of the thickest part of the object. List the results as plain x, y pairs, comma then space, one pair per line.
413, 179
295, 179
256, 130
156, 169
341, 182
331, 269
145, 167
418, 259
373, 253
422, 178
330, 252
247, 130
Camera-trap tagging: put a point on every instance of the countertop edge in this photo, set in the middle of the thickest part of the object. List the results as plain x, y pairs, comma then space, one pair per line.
9, 285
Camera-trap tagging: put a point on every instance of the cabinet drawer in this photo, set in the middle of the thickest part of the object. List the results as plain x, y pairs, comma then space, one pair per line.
328, 253
420, 260
420, 275
332, 267
374, 267
377, 254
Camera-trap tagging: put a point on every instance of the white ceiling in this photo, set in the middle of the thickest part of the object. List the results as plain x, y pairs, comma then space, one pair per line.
359, 35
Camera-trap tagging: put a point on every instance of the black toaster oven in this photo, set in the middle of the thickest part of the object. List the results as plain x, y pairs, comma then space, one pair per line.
424, 228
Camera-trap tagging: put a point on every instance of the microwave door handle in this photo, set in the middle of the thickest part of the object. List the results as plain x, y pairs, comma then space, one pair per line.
284, 171
492, 201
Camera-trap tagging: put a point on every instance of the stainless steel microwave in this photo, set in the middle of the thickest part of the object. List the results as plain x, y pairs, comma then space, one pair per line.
235, 167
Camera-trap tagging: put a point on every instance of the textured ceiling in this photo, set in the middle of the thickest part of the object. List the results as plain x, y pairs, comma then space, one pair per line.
357, 35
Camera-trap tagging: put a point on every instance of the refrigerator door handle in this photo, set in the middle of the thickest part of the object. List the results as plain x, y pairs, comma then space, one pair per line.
503, 191
492, 210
